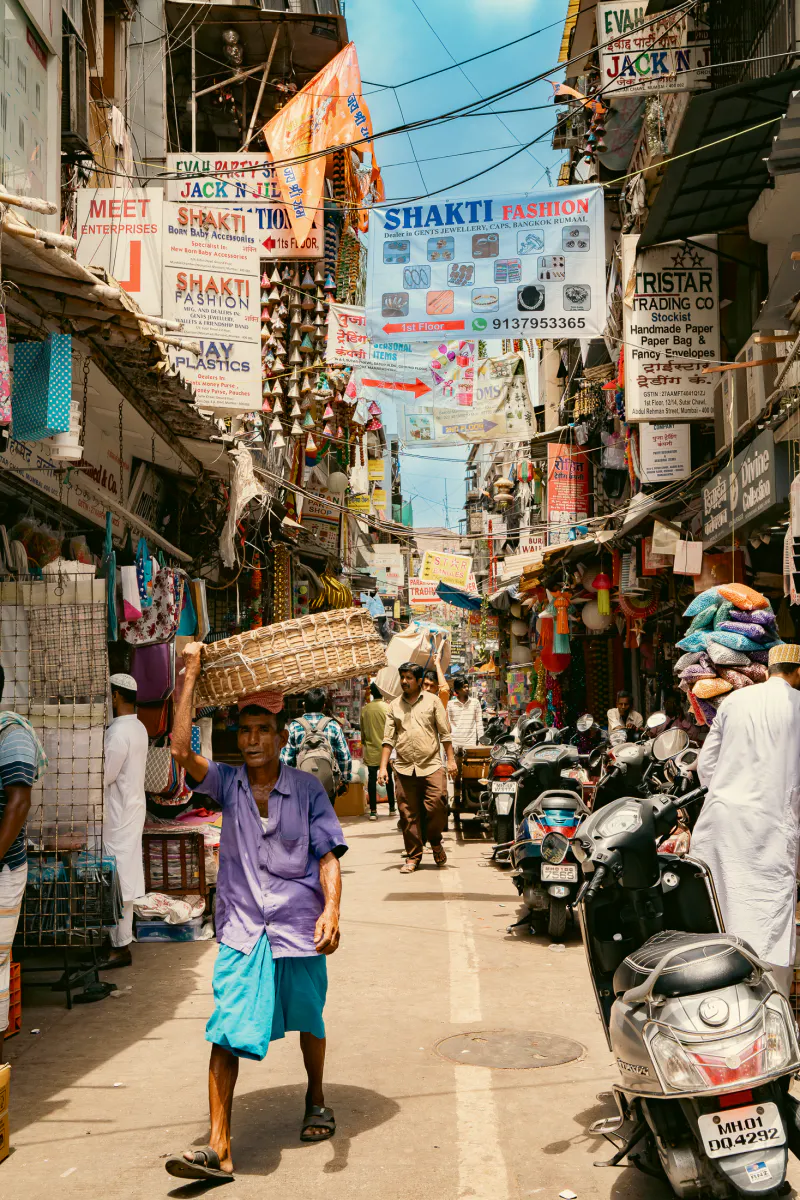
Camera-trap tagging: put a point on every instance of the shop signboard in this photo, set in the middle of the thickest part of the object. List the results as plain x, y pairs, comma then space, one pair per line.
225, 375
664, 452
212, 236
213, 304
568, 474
755, 481
642, 53
446, 568
120, 230
100, 462
359, 504
497, 266
376, 470
320, 519
349, 346
422, 592
532, 543
671, 323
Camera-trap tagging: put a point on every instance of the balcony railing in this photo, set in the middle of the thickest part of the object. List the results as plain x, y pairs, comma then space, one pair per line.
756, 37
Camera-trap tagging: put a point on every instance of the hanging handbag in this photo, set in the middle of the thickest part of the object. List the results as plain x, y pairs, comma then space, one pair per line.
158, 771
155, 717
187, 624
688, 558
144, 575
159, 623
41, 396
153, 668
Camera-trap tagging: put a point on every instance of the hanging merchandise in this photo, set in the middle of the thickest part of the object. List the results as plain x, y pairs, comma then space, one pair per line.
108, 570
561, 602
41, 393
159, 623
602, 585
144, 577
5, 375
131, 598
282, 584
688, 558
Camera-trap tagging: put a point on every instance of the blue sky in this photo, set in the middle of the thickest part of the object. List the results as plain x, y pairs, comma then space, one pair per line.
397, 41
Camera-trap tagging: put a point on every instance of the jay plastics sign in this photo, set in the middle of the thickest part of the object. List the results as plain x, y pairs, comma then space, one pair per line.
495, 266
756, 481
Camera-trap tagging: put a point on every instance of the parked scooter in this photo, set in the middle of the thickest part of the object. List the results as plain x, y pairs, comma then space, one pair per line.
704, 1042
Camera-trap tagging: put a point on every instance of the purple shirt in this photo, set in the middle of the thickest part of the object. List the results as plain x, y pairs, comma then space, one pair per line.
269, 881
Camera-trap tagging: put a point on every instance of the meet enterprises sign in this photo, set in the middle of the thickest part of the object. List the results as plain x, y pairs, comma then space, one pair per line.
757, 480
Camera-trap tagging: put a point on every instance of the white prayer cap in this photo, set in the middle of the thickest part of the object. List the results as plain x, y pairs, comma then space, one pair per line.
123, 681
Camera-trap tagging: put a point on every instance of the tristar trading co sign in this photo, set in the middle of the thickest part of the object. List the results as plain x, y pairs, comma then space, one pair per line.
757, 479
500, 266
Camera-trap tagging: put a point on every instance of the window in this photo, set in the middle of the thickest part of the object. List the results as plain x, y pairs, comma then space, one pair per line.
3, 112
22, 75
21, 134
37, 97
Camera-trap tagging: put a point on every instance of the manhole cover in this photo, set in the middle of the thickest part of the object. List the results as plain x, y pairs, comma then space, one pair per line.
509, 1049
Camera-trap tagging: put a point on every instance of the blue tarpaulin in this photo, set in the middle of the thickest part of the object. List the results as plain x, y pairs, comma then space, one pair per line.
458, 597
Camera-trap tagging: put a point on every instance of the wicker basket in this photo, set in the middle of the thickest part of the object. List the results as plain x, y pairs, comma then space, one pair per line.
291, 657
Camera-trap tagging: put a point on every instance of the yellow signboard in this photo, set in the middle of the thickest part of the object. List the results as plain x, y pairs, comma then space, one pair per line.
359, 504
376, 469
446, 568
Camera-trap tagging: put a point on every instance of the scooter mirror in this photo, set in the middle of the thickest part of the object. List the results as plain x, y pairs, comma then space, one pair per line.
585, 722
668, 744
554, 847
655, 722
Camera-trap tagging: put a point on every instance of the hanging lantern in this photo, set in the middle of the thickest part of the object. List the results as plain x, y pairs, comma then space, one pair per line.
602, 585
337, 483
555, 663
593, 619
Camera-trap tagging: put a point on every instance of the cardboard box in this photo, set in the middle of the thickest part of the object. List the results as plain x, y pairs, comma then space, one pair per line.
351, 802
5, 1089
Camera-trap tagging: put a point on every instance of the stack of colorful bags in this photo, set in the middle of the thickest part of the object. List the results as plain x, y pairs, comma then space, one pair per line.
725, 647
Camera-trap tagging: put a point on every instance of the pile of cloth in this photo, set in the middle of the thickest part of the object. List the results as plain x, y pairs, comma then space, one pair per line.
725, 647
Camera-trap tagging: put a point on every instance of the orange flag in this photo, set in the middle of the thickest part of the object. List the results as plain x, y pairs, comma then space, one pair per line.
328, 113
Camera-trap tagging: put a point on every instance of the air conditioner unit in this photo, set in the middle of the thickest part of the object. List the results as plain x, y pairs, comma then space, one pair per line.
759, 382
74, 94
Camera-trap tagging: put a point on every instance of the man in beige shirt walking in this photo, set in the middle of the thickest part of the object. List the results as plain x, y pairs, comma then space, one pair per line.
417, 728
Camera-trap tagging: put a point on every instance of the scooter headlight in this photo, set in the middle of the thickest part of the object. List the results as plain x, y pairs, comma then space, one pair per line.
622, 818
672, 1064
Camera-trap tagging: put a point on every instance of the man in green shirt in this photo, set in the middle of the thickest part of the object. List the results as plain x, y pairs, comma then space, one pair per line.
373, 722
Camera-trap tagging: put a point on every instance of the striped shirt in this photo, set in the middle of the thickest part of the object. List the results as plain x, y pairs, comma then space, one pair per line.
17, 766
466, 721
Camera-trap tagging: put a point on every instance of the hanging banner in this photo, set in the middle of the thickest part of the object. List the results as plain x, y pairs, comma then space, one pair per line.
446, 568
671, 323
226, 376
328, 113
499, 266
119, 229
349, 346
210, 235
664, 452
512, 419
213, 304
641, 54
568, 474
499, 383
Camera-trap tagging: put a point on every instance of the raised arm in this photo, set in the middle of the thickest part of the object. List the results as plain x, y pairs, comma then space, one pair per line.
194, 764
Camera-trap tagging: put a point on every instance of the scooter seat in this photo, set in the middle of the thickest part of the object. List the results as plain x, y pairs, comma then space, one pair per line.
566, 800
703, 966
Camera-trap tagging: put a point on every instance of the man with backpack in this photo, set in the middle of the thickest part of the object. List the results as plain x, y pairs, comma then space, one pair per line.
317, 744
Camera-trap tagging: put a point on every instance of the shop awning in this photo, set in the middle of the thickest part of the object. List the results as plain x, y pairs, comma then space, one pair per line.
131, 519
711, 190
458, 597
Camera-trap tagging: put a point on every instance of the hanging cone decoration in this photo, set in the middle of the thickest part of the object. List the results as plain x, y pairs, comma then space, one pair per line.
339, 431
311, 445
305, 386
319, 273
602, 585
265, 313
308, 280
307, 344
278, 407
307, 326
374, 425
293, 392
327, 429
295, 410
308, 421
275, 425
294, 357
275, 277
264, 280
328, 414
330, 283
296, 337
266, 390
318, 364
297, 316
278, 441
296, 429
374, 409
266, 406
274, 296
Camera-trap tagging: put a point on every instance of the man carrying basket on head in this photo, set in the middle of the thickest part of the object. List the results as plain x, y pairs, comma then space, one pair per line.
277, 916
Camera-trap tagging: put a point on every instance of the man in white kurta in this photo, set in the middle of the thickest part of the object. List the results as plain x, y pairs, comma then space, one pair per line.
749, 830
124, 808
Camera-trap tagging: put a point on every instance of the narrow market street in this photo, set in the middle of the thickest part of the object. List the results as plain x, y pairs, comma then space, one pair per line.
422, 958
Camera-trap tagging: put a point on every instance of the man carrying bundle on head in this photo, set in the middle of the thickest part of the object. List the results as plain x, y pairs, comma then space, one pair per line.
277, 916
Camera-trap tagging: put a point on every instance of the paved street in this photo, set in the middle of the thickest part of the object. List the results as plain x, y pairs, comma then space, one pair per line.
104, 1093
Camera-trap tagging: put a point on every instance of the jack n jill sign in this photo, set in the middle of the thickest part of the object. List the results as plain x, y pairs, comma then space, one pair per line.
671, 321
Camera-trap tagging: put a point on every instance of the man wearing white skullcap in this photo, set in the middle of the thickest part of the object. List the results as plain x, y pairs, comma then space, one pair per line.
749, 830
124, 808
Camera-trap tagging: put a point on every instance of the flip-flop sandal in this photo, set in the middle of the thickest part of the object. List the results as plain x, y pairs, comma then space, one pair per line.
408, 866
439, 856
204, 1165
318, 1118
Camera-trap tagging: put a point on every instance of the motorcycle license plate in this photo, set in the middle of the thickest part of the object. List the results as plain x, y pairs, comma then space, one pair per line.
739, 1130
504, 786
564, 873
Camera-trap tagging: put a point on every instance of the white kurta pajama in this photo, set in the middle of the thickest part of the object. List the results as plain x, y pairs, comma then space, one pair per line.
124, 810
749, 830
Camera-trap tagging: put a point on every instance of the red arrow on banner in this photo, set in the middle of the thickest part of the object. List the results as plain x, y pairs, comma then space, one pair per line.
269, 243
423, 326
417, 387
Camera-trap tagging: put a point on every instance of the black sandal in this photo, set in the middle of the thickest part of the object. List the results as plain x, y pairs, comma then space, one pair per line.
204, 1165
318, 1118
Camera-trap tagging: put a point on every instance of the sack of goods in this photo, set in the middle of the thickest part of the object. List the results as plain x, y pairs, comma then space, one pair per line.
291, 657
725, 647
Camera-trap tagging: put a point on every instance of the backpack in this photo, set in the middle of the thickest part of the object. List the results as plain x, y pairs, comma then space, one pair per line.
317, 757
